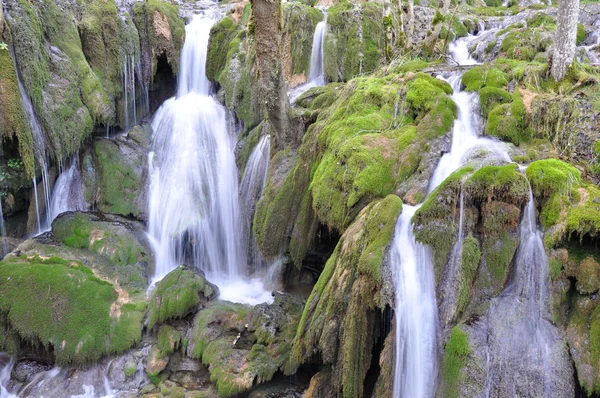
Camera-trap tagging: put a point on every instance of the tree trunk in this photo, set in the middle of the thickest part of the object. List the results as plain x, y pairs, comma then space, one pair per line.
565, 39
411, 23
266, 15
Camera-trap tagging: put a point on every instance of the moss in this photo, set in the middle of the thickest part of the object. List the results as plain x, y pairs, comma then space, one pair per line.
63, 306
502, 183
150, 14
221, 35
215, 328
484, 76
239, 80
300, 22
489, 97
75, 234
580, 34
177, 295
584, 217
507, 121
130, 368
349, 53
470, 257
550, 176
527, 43
119, 181
319, 97
169, 339
541, 19
336, 316
13, 119
456, 353
498, 252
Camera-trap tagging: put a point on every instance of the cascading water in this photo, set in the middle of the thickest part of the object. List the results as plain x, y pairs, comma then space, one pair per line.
519, 333
251, 187
194, 207
67, 194
6, 365
316, 75
416, 307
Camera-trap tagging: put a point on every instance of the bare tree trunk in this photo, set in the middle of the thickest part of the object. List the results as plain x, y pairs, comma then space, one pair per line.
266, 15
411, 23
565, 39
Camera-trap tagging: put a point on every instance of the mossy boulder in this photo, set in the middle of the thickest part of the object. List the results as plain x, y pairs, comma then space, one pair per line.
528, 43
489, 97
483, 76
120, 175
178, 294
343, 304
456, 355
508, 121
62, 305
355, 42
118, 248
221, 35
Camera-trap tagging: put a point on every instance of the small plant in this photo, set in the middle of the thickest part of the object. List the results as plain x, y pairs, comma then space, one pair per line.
3, 46
15, 163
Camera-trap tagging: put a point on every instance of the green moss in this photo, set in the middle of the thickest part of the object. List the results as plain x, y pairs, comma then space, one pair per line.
75, 234
484, 76
221, 35
489, 97
63, 306
527, 43
177, 295
149, 14
13, 119
550, 176
347, 52
342, 300
119, 181
470, 257
584, 217
498, 252
580, 33
300, 22
130, 368
456, 353
169, 339
541, 19
507, 121
503, 183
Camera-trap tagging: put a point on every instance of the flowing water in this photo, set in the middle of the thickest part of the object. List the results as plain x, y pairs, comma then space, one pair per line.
6, 365
251, 187
67, 194
519, 333
316, 75
194, 213
416, 307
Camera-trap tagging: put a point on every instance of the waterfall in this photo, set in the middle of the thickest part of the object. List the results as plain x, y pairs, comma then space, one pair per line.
194, 214
316, 74
67, 194
251, 187
416, 312
416, 308
39, 150
518, 327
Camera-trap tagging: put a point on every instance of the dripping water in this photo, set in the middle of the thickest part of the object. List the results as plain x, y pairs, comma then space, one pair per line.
251, 187
316, 75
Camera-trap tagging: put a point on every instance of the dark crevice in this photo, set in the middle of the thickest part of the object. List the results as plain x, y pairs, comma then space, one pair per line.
382, 327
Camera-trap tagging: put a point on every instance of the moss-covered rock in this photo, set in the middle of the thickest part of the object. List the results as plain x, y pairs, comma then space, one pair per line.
61, 304
121, 173
455, 358
161, 32
528, 43
483, 76
299, 26
221, 35
343, 303
489, 97
507, 121
355, 40
178, 294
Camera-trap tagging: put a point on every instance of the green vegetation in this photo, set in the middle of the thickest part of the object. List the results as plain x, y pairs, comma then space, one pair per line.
507, 121
177, 295
456, 353
345, 295
221, 35
300, 22
63, 306
484, 76
470, 257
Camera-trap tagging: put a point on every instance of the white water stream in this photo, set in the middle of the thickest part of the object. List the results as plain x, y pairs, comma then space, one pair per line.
316, 74
195, 216
416, 307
